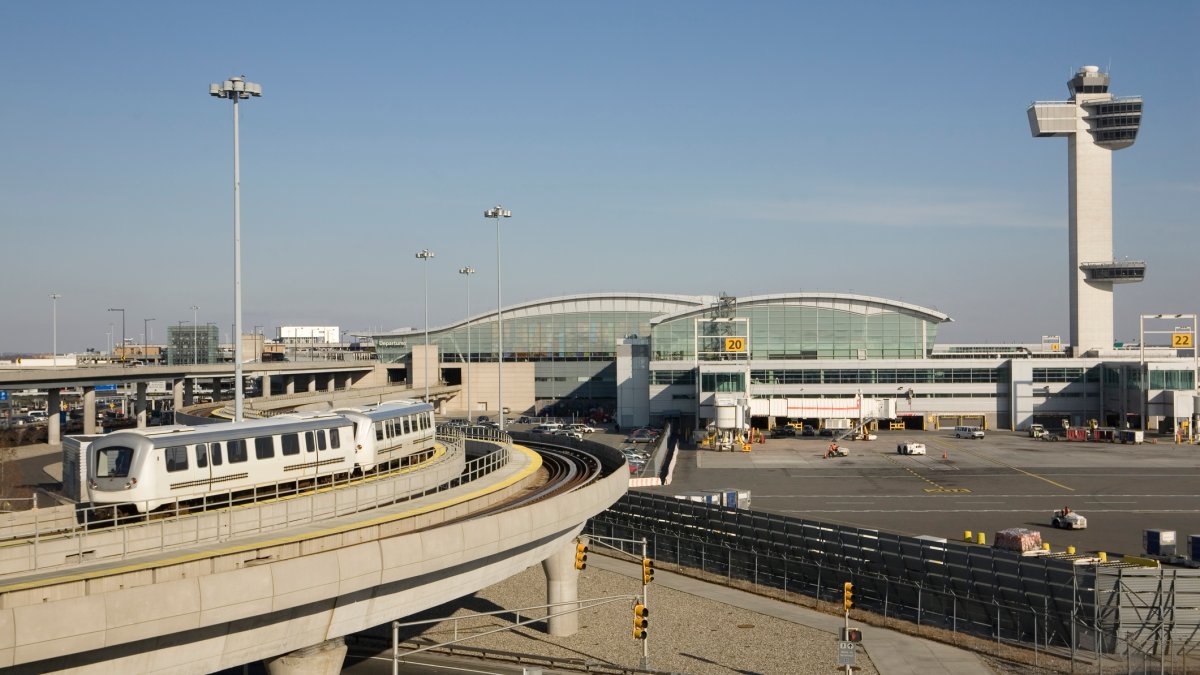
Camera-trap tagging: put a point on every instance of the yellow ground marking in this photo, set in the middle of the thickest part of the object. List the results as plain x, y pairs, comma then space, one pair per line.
937, 488
535, 463
1010, 466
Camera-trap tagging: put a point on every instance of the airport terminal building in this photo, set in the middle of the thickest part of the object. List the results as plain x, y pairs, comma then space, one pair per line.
647, 358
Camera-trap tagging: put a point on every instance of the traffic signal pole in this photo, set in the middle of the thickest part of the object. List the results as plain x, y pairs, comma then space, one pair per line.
646, 578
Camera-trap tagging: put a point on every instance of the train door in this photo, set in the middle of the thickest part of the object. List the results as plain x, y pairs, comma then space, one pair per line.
202, 471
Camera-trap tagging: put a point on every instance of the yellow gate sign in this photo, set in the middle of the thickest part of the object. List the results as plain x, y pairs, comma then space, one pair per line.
735, 344
1178, 340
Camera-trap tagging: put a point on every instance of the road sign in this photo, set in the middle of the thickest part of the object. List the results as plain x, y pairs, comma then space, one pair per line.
106, 387
3, 395
846, 653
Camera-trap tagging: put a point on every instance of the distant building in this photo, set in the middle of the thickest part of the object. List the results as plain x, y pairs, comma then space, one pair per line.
310, 335
193, 344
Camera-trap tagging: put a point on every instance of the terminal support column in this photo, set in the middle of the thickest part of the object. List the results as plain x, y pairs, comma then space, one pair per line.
189, 391
312, 383
89, 411
323, 659
139, 406
177, 392
266, 385
289, 384
53, 416
562, 585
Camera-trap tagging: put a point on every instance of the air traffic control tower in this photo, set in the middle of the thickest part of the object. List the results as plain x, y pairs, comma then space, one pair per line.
1095, 123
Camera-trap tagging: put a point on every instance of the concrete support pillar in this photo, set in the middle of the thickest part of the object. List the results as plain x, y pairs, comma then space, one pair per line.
139, 405
331, 382
312, 383
189, 391
53, 417
89, 410
562, 585
266, 385
289, 384
216, 390
177, 392
323, 659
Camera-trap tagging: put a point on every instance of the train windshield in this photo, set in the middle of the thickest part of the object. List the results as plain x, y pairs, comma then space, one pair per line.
114, 462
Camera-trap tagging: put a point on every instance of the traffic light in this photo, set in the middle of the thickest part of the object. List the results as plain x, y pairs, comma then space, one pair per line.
848, 595
647, 570
640, 622
851, 635
581, 551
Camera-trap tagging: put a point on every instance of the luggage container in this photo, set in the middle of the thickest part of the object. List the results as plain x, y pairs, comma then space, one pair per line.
1077, 434
733, 498
713, 498
1159, 542
1135, 436
1018, 539
1194, 547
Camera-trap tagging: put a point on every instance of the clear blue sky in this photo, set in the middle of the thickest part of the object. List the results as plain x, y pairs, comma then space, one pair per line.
677, 147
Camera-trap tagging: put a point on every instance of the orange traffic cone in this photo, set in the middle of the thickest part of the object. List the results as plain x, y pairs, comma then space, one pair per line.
944, 455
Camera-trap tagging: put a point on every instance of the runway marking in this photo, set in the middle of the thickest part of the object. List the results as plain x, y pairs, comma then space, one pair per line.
939, 490
1010, 466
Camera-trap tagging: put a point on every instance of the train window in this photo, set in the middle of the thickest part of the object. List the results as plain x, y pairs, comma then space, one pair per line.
290, 443
176, 458
403, 422
214, 450
201, 456
237, 450
321, 440
335, 441
264, 447
113, 462
308, 441
379, 431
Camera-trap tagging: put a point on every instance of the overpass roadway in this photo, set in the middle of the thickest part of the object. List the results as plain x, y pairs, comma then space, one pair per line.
218, 589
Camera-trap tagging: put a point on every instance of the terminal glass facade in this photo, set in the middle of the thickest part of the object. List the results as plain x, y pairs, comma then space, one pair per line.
193, 344
783, 331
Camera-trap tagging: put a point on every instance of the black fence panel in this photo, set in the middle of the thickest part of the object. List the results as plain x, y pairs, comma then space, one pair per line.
966, 588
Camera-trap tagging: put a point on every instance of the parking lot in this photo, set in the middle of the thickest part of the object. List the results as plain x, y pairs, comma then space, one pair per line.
1004, 480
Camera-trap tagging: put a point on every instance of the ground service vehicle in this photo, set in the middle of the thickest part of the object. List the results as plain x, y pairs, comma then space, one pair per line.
910, 448
158, 465
1067, 519
1036, 430
968, 432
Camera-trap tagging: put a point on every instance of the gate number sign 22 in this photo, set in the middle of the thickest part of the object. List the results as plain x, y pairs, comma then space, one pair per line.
1178, 340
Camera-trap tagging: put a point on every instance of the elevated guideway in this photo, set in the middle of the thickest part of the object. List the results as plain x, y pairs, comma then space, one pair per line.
217, 589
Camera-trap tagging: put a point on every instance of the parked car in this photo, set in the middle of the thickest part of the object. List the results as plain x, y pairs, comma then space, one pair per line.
633, 452
827, 431
809, 430
582, 428
783, 432
569, 433
639, 438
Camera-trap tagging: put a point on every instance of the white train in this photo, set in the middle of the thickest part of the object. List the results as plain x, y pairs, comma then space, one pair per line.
158, 465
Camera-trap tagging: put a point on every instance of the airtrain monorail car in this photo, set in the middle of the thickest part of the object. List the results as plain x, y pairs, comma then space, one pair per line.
150, 467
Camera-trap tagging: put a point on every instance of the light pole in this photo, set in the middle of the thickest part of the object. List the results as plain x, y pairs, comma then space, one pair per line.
467, 272
425, 254
54, 310
195, 337
123, 347
235, 89
499, 212
146, 339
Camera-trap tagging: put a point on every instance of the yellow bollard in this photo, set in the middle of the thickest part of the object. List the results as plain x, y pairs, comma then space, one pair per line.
1070, 550
982, 538
1103, 556
1046, 546
967, 535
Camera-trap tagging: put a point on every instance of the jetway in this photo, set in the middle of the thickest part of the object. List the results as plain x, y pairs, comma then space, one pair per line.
824, 408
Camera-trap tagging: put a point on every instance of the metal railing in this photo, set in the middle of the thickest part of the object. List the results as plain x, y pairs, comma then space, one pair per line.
278, 507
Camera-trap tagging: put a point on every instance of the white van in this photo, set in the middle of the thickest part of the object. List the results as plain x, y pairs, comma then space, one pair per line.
548, 428
968, 432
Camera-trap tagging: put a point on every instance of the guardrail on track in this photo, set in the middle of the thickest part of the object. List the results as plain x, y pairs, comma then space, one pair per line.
1102, 612
44, 546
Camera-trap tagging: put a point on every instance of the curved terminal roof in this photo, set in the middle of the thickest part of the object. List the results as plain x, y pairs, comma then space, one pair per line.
859, 304
585, 302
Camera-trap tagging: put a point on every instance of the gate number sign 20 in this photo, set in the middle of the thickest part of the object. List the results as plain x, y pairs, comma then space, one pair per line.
739, 344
